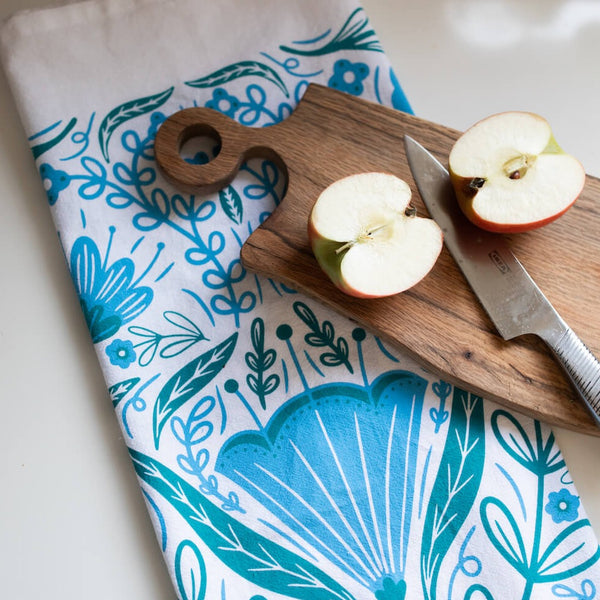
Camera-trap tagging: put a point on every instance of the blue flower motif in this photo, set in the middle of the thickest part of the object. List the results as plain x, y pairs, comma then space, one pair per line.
121, 353
348, 77
55, 181
562, 506
224, 102
108, 295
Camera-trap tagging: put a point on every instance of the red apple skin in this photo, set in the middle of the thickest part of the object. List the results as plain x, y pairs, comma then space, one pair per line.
465, 197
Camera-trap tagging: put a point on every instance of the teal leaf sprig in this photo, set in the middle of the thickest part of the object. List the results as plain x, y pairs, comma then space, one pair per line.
440, 415
355, 34
456, 485
254, 557
324, 336
188, 381
126, 111
192, 433
244, 68
564, 556
260, 361
187, 334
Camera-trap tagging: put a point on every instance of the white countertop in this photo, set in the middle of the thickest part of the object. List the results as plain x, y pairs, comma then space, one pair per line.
72, 521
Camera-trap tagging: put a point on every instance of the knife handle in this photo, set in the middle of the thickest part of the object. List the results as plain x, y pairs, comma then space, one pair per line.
581, 366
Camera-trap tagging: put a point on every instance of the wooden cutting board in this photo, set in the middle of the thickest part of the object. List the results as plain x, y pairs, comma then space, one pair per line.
439, 322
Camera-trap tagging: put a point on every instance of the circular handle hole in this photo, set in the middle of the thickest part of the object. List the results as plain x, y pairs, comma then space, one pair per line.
199, 145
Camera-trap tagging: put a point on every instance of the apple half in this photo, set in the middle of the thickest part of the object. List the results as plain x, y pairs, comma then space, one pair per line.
510, 175
368, 239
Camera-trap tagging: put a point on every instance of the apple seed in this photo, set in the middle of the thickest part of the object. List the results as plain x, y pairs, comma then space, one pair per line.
516, 167
476, 183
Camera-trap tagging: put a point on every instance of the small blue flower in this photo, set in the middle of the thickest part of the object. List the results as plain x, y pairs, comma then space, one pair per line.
562, 506
55, 181
348, 77
224, 102
121, 353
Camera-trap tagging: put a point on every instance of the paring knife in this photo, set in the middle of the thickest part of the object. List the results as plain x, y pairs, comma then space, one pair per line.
508, 294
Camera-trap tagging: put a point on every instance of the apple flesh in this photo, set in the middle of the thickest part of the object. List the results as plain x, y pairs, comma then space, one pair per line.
368, 239
510, 175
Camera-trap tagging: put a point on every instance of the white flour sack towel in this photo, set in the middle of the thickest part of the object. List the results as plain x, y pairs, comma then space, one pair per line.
283, 451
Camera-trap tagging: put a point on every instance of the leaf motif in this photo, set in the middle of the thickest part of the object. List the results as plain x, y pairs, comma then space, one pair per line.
118, 391
253, 383
260, 363
182, 322
323, 336
188, 381
245, 68
456, 485
251, 361
353, 35
248, 553
307, 315
342, 348
269, 358
271, 383
190, 572
179, 346
541, 455
568, 555
231, 203
257, 334
329, 359
124, 112
513, 438
503, 531
45, 146
328, 332
315, 339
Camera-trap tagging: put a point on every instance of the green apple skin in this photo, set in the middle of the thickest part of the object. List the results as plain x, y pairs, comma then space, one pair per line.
325, 251
465, 195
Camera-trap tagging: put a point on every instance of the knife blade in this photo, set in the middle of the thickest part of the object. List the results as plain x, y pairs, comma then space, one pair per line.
511, 298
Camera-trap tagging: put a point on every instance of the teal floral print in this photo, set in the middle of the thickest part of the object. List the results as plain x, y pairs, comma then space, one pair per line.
125, 112
54, 180
120, 353
355, 34
348, 77
224, 102
562, 506
245, 68
285, 451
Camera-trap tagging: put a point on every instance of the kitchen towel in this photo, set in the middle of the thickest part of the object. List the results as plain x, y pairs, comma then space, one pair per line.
283, 452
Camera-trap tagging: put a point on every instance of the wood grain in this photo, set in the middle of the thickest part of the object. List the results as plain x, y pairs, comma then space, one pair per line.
439, 322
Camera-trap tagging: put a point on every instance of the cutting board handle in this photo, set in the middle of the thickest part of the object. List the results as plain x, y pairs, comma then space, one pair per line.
237, 144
